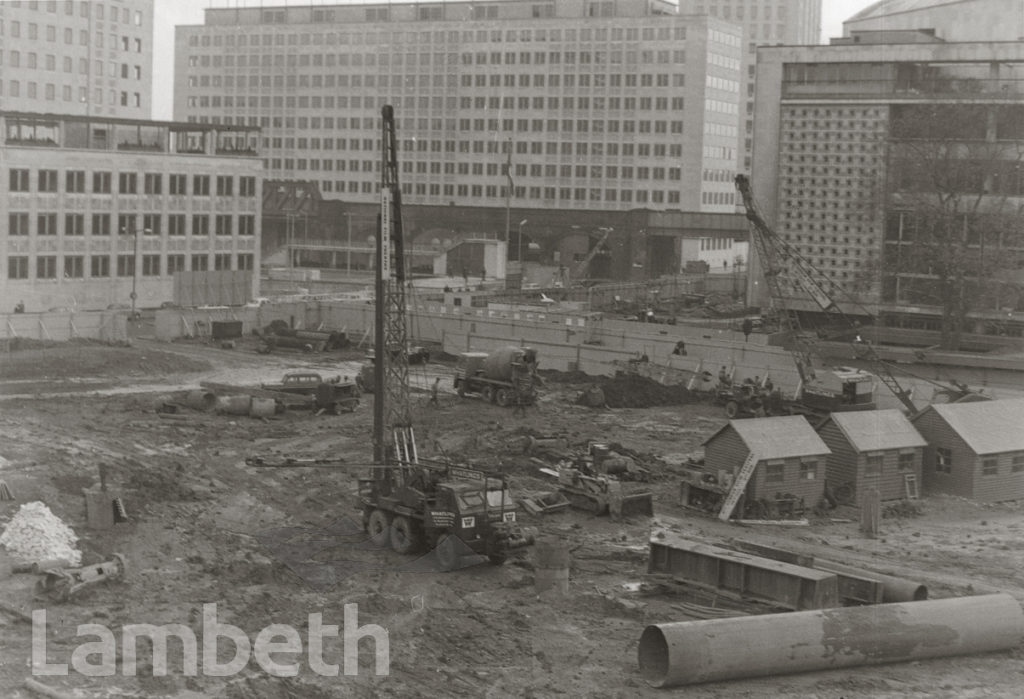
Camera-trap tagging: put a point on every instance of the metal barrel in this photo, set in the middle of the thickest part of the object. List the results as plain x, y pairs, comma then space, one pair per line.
692, 652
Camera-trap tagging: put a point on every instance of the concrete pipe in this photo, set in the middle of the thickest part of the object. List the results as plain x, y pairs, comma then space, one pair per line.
893, 589
691, 652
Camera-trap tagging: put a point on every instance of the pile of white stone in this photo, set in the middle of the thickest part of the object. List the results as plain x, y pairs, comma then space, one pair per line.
36, 534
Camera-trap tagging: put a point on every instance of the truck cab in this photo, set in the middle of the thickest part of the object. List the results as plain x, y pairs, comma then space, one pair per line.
481, 515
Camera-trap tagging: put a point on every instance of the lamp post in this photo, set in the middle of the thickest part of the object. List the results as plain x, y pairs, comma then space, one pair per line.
519, 253
135, 261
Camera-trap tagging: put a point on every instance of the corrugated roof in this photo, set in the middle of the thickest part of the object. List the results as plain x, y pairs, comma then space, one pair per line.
875, 430
778, 437
988, 427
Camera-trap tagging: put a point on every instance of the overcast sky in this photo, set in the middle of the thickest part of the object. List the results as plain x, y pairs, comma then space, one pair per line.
173, 12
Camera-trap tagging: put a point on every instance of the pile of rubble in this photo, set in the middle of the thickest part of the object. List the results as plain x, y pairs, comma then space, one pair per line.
631, 391
36, 534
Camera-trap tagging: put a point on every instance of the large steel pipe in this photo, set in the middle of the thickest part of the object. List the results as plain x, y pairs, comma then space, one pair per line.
893, 589
691, 652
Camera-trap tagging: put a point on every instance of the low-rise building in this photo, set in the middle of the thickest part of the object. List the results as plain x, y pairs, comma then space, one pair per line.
100, 208
872, 449
790, 459
975, 450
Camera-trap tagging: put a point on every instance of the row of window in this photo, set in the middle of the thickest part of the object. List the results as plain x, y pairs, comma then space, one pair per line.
49, 62
103, 266
989, 464
404, 38
775, 471
128, 183
125, 15
18, 224
116, 97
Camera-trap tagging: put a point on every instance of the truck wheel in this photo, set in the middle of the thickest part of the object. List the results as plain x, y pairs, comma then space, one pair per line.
447, 553
503, 397
404, 537
379, 527
732, 409
488, 393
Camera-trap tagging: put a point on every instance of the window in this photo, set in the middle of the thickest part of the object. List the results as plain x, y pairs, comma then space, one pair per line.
222, 225
175, 263
775, 472
990, 466
47, 180
74, 266
808, 470
100, 225
178, 184
1017, 464
176, 224
247, 186
225, 185
200, 226
127, 183
99, 266
151, 224
151, 265
153, 183
126, 265
74, 181
200, 263
74, 224
101, 182
19, 180
201, 185
17, 267
46, 224
873, 464
46, 267
906, 462
222, 261
247, 225
17, 224
943, 460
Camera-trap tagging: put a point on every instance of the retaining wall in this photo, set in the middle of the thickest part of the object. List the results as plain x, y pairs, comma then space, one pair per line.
106, 326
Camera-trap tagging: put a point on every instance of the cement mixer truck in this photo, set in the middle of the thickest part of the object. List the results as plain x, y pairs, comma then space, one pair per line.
503, 376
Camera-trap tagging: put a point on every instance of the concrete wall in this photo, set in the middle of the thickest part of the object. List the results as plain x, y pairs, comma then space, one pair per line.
107, 326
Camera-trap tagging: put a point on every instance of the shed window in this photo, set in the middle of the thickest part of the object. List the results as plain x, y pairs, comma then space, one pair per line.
907, 461
1018, 463
873, 465
775, 473
808, 470
943, 460
990, 466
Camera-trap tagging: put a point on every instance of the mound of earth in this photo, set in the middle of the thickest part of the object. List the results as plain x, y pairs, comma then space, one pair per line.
631, 391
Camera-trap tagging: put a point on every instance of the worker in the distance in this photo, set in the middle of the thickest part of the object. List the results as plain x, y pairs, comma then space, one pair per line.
433, 391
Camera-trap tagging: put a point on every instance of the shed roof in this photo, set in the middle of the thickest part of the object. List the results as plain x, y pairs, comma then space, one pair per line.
875, 430
988, 427
777, 437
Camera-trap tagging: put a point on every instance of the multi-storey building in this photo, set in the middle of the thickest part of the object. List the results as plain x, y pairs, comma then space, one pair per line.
950, 20
789, 22
83, 57
95, 207
604, 105
831, 146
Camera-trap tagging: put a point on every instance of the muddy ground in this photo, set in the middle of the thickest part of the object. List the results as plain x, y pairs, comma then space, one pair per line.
205, 528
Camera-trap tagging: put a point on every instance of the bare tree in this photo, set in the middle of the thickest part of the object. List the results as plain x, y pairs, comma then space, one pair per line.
954, 226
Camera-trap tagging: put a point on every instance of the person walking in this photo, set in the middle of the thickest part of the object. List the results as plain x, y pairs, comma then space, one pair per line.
433, 391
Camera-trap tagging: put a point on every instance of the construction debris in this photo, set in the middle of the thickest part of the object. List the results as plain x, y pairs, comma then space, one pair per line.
57, 584
35, 534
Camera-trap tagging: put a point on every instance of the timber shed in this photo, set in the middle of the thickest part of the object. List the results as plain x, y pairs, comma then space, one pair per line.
790, 457
872, 449
975, 450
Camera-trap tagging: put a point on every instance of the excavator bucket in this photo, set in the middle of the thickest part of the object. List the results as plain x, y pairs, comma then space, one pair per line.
634, 505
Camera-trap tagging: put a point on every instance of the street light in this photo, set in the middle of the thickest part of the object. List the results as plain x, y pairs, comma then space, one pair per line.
519, 254
135, 261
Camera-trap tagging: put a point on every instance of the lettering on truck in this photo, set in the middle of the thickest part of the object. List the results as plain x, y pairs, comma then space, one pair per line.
442, 518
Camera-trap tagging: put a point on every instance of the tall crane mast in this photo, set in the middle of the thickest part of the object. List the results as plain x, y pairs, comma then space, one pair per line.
783, 261
393, 438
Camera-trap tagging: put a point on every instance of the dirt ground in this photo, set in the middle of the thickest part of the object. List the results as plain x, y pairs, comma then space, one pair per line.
206, 528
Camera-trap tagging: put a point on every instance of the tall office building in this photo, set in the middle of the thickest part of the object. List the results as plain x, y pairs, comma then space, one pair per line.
81, 57
781, 22
611, 105
950, 20
831, 158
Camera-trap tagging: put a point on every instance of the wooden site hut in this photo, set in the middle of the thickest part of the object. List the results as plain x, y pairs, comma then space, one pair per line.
975, 450
790, 458
872, 449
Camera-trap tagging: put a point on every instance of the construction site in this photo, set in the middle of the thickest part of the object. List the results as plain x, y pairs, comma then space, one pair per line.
404, 495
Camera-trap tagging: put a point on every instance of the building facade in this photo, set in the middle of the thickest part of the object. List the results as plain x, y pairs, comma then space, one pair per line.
96, 207
81, 57
785, 22
950, 20
835, 128
604, 105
